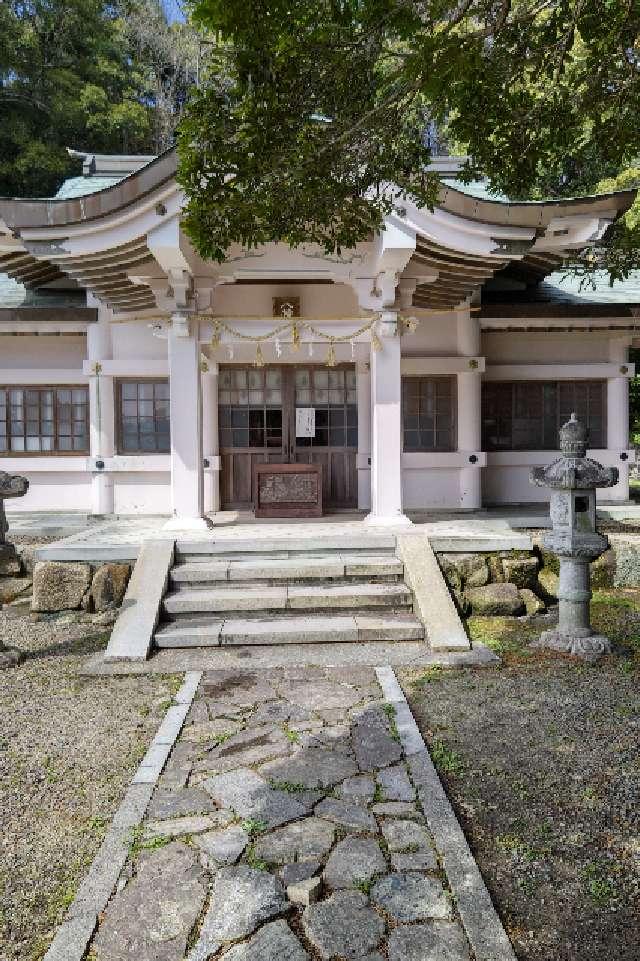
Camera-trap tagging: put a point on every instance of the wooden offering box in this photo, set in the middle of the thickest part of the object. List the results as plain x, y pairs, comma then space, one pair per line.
287, 490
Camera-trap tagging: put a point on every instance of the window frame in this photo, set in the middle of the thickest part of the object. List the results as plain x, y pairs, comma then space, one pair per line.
119, 432
452, 380
513, 384
84, 452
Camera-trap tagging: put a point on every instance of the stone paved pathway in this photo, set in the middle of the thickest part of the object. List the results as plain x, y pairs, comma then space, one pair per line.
284, 827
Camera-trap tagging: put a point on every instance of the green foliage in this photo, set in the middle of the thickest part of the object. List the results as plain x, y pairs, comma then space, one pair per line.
445, 758
308, 111
92, 74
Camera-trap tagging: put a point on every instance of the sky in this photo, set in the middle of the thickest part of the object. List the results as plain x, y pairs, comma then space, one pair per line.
173, 10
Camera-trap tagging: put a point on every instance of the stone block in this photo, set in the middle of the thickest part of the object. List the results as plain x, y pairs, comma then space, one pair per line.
12, 587
496, 600
109, 585
549, 583
305, 892
59, 586
532, 602
10, 563
523, 572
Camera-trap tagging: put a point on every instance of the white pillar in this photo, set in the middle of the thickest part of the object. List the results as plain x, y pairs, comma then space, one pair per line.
618, 419
101, 414
469, 414
386, 427
210, 438
363, 380
185, 389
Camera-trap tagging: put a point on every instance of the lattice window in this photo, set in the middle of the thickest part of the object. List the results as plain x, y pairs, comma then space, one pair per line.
428, 413
333, 395
250, 407
143, 417
44, 420
527, 415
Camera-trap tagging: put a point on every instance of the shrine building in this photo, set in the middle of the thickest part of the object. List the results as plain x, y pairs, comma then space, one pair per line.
427, 369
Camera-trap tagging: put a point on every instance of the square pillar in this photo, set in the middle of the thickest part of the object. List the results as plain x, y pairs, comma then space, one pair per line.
210, 438
185, 408
469, 412
386, 426
618, 418
363, 382
101, 414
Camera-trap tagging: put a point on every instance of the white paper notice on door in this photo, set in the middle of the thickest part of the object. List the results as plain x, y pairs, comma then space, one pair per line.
305, 422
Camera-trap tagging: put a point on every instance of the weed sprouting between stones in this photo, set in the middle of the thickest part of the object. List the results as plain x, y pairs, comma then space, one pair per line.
258, 864
289, 787
253, 826
445, 758
291, 734
137, 842
390, 711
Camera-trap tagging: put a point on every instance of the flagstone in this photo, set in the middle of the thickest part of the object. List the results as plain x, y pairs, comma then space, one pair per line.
150, 919
320, 695
343, 926
241, 899
250, 796
438, 941
299, 871
273, 942
353, 860
395, 784
352, 816
411, 897
312, 768
403, 835
246, 748
372, 742
222, 847
310, 838
177, 803
358, 788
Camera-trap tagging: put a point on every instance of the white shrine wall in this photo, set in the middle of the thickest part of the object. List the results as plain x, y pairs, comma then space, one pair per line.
58, 482
444, 344
576, 355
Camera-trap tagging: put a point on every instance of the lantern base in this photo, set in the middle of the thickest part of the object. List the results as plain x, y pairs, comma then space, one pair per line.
590, 647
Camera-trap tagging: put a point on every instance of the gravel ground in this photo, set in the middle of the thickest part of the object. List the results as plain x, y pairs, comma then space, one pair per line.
540, 760
68, 747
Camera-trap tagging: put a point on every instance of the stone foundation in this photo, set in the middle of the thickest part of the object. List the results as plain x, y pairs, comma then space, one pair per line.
514, 583
53, 587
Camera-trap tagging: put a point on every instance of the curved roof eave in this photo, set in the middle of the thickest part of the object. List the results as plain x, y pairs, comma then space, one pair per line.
19, 213
22, 213
532, 213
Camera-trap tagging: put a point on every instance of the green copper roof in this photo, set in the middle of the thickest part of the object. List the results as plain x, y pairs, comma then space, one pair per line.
81, 186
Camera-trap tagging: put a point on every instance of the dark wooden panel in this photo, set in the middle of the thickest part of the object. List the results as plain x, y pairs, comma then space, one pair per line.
287, 490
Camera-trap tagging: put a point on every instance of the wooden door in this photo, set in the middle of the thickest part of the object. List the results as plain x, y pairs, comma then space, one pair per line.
252, 428
257, 417
331, 393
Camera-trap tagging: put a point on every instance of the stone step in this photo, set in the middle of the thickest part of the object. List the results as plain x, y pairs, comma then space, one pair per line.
270, 568
310, 629
303, 543
293, 597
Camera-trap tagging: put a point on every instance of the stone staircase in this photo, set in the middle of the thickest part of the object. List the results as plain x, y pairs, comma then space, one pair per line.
289, 591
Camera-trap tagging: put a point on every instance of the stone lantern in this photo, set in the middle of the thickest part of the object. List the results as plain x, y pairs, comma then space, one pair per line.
11, 485
573, 480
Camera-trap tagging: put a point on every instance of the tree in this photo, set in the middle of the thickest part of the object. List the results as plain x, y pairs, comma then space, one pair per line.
309, 111
93, 74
